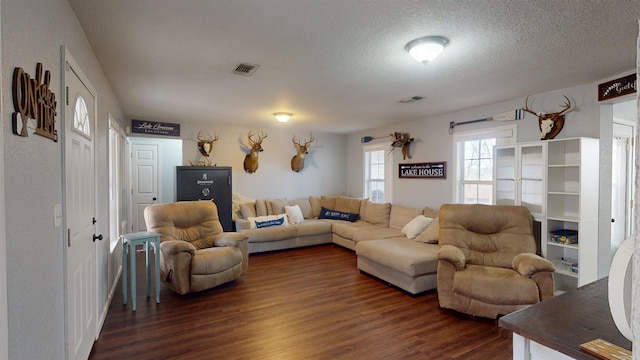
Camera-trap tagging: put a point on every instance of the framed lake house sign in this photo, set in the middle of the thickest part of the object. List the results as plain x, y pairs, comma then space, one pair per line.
430, 170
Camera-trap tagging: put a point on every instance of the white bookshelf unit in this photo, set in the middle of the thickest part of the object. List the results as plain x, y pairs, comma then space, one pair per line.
557, 180
572, 204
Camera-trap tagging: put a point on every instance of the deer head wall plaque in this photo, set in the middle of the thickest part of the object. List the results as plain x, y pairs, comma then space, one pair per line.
251, 160
297, 162
549, 124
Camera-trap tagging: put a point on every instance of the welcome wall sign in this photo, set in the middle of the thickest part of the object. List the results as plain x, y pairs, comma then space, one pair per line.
155, 128
33, 99
618, 87
430, 170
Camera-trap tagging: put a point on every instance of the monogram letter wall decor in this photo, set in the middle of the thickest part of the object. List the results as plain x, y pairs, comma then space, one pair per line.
32, 99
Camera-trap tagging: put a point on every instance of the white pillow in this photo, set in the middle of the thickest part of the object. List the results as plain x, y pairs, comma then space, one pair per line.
416, 226
294, 214
268, 221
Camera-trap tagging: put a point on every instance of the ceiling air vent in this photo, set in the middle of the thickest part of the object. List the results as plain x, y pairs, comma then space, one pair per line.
245, 69
411, 99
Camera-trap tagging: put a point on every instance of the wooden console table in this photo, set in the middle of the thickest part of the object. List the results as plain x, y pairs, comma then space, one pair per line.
555, 328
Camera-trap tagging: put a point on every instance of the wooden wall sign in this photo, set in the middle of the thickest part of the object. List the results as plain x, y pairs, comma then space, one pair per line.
155, 128
33, 99
433, 170
618, 87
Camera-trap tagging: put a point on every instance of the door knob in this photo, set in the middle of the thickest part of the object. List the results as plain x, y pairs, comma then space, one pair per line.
98, 237
154, 199
613, 220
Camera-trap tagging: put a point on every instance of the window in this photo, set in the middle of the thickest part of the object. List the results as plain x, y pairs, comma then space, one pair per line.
117, 186
473, 153
376, 174
81, 120
477, 175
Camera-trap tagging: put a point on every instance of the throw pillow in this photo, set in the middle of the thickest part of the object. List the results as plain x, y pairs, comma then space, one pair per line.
401, 215
248, 210
348, 204
431, 233
416, 226
328, 202
261, 207
259, 222
337, 215
377, 214
315, 206
294, 214
278, 205
305, 206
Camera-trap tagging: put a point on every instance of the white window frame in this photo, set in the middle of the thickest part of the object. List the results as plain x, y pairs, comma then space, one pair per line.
117, 185
504, 135
388, 170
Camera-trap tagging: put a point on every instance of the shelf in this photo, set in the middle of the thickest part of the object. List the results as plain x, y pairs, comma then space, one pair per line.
567, 246
570, 193
564, 165
568, 273
566, 218
563, 269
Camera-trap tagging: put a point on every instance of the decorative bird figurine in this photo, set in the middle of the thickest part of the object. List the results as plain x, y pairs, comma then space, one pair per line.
404, 141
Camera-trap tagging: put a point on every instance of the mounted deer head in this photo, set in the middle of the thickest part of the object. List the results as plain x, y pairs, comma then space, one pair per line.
205, 146
297, 162
251, 160
549, 124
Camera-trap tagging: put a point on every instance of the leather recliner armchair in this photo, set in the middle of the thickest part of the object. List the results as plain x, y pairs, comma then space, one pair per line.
487, 264
195, 253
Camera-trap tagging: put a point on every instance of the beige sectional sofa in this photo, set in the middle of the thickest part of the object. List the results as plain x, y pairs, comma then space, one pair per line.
383, 250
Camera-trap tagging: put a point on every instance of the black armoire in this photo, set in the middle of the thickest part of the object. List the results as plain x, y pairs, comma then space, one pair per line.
207, 183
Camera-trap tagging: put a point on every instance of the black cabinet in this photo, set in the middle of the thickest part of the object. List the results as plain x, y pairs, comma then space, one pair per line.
207, 183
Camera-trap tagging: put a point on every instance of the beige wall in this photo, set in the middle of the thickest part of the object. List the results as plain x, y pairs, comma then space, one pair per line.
33, 31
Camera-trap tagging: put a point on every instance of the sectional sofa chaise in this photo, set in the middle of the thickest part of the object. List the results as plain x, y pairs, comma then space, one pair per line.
394, 243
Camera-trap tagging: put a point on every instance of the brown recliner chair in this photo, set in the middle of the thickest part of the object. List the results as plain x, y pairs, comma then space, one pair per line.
487, 264
195, 253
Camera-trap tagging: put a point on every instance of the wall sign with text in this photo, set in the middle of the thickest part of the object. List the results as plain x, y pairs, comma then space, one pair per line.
432, 170
618, 87
155, 128
33, 99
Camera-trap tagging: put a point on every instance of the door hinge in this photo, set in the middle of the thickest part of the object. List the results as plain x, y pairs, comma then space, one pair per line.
68, 237
631, 204
67, 96
229, 180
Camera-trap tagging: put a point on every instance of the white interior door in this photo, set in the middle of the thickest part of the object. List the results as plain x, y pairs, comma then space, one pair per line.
621, 182
79, 170
144, 181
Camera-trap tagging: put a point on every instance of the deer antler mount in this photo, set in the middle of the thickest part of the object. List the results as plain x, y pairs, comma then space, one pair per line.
206, 145
251, 160
297, 162
549, 124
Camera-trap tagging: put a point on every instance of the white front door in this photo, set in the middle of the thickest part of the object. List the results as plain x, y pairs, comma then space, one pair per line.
79, 170
144, 181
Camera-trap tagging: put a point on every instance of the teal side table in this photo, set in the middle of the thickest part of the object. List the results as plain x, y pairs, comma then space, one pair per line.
129, 242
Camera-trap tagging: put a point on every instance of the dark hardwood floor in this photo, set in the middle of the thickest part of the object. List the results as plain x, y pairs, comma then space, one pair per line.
308, 303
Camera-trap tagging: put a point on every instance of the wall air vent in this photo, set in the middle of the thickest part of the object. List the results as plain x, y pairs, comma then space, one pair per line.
245, 69
411, 99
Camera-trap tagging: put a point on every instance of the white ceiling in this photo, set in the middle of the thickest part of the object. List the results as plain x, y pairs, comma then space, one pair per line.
340, 65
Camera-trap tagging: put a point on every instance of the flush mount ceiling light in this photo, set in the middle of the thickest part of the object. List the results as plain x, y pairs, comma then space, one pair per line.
426, 48
283, 117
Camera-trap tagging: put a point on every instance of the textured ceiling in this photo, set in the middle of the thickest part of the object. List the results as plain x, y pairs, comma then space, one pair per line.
340, 65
